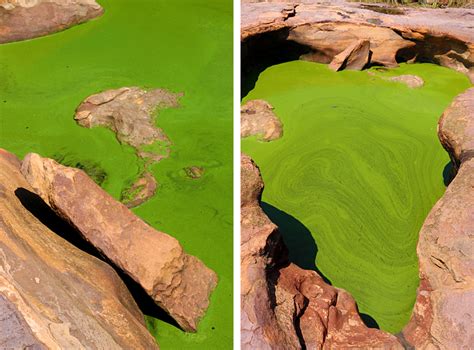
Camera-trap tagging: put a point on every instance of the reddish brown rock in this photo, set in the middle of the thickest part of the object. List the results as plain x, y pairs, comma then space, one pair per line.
325, 29
257, 119
26, 19
444, 310
179, 283
53, 295
355, 57
282, 305
140, 191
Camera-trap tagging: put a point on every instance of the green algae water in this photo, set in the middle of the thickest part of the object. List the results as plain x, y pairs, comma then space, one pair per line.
356, 172
183, 46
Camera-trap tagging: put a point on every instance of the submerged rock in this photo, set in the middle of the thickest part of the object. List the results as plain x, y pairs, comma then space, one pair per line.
282, 305
130, 113
355, 57
179, 283
53, 295
444, 309
194, 172
26, 19
412, 81
257, 119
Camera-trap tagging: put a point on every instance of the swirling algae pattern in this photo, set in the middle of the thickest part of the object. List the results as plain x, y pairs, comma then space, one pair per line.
360, 166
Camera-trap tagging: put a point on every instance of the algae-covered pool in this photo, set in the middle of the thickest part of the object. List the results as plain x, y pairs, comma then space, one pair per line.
356, 172
183, 46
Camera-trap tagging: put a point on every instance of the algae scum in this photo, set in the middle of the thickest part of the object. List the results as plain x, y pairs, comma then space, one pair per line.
182, 46
355, 174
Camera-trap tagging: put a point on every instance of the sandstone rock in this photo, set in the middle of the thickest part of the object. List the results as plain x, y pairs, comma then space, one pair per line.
443, 313
179, 283
129, 113
53, 295
26, 19
194, 172
140, 191
284, 306
257, 119
324, 29
412, 81
355, 57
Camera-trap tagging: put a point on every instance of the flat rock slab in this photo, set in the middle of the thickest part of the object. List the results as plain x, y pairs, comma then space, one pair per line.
443, 36
27, 19
258, 119
53, 295
179, 283
282, 305
412, 81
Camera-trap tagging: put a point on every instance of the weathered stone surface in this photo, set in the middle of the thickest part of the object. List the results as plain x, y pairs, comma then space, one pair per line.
179, 283
129, 113
53, 295
445, 37
257, 119
194, 172
444, 310
26, 19
284, 306
355, 57
412, 81
140, 191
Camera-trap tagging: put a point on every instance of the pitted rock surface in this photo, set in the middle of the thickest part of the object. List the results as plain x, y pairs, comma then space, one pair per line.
258, 119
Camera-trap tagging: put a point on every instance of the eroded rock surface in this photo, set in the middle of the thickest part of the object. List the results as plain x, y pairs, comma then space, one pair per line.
179, 283
53, 295
412, 81
444, 310
284, 306
355, 57
130, 113
257, 119
26, 19
324, 30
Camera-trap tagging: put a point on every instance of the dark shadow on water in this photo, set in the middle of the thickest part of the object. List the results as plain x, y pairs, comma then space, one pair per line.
369, 321
301, 245
448, 173
36, 206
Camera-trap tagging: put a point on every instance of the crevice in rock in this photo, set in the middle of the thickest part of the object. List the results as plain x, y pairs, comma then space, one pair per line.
39, 209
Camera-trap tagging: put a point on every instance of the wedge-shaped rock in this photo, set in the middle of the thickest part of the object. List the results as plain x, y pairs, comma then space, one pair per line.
284, 306
179, 283
53, 295
27, 19
354, 57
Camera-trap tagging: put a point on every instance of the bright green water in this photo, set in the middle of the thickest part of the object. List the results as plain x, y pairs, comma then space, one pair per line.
359, 166
181, 45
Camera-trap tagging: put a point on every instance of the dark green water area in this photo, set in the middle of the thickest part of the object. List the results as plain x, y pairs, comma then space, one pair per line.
355, 174
183, 46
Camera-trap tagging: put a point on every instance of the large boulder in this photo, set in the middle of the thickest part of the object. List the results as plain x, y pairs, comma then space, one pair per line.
258, 119
355, 57
444, 309
53, 295
282, 305
179, 283
26, 19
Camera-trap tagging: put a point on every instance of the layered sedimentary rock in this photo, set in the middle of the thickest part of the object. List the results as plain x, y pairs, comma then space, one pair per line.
323, 30
130, 113
26, 19
257, 119
53, 295
355, 57
284, 306
179, 283
444, 310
